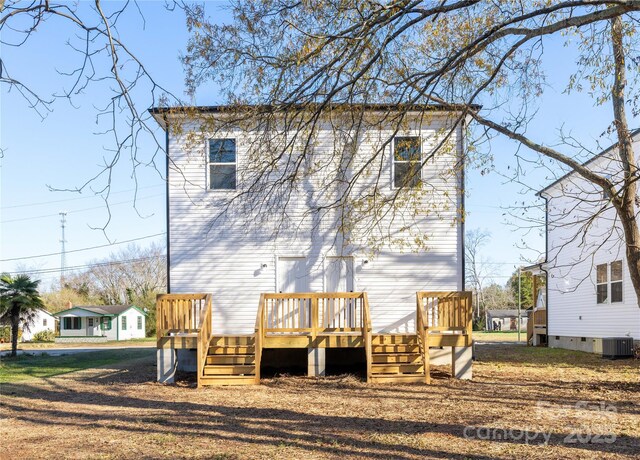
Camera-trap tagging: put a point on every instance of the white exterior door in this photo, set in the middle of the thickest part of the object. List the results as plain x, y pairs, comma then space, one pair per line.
90, 326
338, 274
293, 274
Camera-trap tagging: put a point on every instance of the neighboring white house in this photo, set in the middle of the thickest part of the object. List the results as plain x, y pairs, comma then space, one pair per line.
236, 261
41, 321
103, 322
590, 295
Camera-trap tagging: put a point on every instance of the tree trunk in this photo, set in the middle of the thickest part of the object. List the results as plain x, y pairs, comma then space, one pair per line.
625, 204
15, 322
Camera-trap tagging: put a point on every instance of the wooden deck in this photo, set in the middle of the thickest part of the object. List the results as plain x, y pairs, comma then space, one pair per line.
313, 320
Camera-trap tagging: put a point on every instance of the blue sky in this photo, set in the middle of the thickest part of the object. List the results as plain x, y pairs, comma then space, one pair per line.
63, 151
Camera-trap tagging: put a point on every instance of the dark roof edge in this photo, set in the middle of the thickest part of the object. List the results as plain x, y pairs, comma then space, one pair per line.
372, 107
633, 134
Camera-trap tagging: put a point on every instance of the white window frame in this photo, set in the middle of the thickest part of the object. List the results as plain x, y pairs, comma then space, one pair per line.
393, 158
621, 281
207, 149
609, 282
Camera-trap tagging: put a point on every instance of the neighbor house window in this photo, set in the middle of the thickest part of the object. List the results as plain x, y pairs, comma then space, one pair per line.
106, 324
609, 282
44, 322
124, 323
139, 322
72, 323
407, 161
222, 164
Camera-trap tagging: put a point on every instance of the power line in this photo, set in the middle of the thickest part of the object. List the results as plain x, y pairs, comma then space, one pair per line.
24, 205
78, 267
83, 249
21, 219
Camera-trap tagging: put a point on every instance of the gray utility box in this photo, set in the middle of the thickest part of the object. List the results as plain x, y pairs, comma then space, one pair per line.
617, 347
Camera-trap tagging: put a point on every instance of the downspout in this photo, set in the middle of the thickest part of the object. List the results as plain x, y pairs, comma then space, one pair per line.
166, 123
462, 203
546, 259
117, 328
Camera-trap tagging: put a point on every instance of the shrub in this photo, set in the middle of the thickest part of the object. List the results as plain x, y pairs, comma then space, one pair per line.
44, 336
5, 334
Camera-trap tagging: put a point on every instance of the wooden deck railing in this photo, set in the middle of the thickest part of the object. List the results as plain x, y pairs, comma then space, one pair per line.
204, 339
423, 339
185, 314
366, 333
540, 318
446, 312
259, 337
179, 313
313, 313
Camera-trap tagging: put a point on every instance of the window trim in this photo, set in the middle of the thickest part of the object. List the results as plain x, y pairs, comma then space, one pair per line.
208, 164
394, 161
621, 281
123, 323
609, 282
139, 323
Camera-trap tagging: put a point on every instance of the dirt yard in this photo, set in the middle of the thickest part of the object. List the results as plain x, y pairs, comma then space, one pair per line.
522, 403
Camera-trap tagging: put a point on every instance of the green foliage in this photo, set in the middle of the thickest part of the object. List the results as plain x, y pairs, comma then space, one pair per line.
526, 288
5, 334
44, 336
19, 300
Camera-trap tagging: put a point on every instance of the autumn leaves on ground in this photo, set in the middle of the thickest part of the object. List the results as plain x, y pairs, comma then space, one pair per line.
521, 398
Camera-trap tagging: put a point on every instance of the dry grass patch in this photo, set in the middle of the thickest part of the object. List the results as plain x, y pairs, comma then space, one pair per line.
118, 411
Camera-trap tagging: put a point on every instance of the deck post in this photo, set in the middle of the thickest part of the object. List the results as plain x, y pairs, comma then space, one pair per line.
462, 362
316, 364
167, 362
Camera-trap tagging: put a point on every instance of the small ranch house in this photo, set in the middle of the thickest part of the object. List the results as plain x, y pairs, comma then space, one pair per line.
101, 323
506, 320
270, 250
41, 321
589, 295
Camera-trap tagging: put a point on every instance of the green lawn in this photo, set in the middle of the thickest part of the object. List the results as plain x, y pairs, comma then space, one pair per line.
26, 367
111, 343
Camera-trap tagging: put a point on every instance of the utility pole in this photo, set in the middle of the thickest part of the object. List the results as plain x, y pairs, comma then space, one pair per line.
63, 255
519, 299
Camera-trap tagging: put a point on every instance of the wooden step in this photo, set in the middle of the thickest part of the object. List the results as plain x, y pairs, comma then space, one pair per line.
230, 359
211, 380
232, 340
232, 350
230, 369
387, 358
395, 348
391, 339
397, 368
400, 378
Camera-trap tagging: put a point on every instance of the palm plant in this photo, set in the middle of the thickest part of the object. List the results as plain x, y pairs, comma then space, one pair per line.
19, 298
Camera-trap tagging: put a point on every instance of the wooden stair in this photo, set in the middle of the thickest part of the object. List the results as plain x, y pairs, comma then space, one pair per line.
396, 358
231, 360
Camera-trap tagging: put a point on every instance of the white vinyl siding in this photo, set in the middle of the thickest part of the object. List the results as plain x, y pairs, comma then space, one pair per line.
576, 305
236, 263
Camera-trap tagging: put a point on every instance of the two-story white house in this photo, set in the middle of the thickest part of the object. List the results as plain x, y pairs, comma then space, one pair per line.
589, 293
290, 236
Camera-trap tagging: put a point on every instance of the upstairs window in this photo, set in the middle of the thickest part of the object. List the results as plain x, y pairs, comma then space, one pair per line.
407, 161
609, 282
222, 164
616, 281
